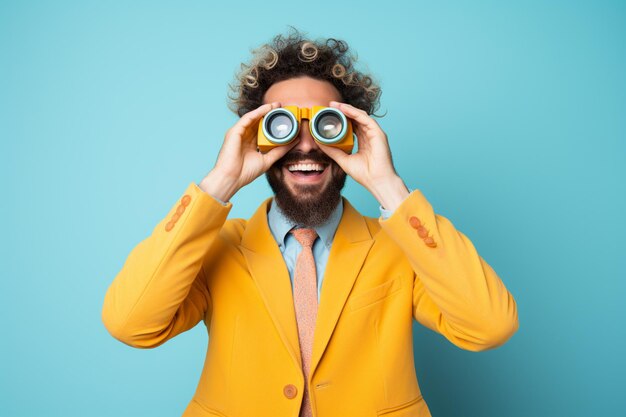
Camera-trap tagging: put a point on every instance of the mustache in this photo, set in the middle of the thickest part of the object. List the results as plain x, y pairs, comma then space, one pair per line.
297, 156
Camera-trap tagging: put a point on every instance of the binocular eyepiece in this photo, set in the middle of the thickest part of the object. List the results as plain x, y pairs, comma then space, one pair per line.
327, 125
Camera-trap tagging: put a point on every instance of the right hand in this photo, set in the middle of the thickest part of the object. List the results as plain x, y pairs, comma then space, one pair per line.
239, 162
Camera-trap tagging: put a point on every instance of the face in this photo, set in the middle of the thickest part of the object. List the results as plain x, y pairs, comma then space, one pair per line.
306, 182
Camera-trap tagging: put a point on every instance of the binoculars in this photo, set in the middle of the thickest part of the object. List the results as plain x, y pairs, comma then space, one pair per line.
327, 125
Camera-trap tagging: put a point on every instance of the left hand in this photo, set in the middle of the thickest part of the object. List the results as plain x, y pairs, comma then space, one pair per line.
371, 166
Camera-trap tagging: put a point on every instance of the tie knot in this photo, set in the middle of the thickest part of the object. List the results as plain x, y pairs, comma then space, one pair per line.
305, 237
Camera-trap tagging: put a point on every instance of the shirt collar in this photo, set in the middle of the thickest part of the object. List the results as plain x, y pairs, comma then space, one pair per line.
280, 224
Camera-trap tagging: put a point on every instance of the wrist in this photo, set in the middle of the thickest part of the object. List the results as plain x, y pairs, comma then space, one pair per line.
219, 186
390, 192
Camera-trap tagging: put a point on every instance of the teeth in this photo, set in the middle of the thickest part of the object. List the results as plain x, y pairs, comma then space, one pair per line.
305, 167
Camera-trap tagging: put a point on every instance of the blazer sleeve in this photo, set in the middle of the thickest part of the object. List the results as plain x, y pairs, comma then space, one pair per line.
161, 290
455, 292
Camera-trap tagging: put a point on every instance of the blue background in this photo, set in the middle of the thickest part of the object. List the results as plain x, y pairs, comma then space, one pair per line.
510, 117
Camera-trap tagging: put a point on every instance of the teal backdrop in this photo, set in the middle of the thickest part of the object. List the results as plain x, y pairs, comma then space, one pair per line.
509, 116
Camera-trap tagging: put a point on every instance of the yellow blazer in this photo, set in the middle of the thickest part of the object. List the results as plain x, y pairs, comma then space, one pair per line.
198, 266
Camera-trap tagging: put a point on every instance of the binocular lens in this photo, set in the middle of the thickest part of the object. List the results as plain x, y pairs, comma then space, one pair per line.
329, 125
280, 126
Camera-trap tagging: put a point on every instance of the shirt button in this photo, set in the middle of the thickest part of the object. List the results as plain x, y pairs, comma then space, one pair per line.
290, 391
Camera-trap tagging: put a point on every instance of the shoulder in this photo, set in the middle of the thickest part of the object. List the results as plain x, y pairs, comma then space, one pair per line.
233, 230
372, 224
355, 218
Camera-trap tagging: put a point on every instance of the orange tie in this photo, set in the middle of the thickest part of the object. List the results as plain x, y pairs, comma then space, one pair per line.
305, 303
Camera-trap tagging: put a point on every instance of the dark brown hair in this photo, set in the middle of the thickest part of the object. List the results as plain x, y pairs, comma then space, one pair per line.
289, 56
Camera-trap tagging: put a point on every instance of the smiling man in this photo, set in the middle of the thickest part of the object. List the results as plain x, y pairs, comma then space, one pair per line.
308, 304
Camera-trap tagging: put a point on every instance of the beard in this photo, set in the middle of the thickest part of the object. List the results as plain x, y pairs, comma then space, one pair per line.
311, 205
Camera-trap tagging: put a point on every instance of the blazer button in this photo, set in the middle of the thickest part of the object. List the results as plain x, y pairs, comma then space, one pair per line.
169, 226
422, 232
185, 200
290, 391
180, 209
414, 222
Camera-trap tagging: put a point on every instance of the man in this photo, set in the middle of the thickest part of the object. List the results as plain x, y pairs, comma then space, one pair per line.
308, 304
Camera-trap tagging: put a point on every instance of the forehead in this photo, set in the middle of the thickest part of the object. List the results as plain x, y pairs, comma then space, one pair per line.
302, 92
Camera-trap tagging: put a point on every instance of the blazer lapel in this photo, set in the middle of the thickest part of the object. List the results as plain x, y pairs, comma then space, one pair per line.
269, 271
350, 247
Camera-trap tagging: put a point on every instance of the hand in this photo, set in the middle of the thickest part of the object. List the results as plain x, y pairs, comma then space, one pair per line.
371, 166
239, 162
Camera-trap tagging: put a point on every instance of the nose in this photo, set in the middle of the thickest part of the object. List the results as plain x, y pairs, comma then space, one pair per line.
306, 143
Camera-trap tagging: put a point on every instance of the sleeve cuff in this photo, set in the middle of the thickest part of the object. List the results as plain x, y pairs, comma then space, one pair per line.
224, 203
385, 214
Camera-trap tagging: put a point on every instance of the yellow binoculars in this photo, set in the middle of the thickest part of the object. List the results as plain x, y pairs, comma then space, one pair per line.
327, 125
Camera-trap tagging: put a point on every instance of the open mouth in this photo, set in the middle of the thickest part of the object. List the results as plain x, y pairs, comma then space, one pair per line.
306, 169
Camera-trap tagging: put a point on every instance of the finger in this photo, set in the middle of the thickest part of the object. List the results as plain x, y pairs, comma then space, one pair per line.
335, 154
358, 115
274, 154
253, 116
244, 126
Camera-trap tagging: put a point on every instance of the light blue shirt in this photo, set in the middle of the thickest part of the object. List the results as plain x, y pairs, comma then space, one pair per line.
290, 248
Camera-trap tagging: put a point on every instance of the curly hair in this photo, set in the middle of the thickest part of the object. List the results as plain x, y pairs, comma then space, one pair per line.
293, 56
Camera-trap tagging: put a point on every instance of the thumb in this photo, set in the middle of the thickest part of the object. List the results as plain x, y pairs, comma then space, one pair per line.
275, 154
336, 154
